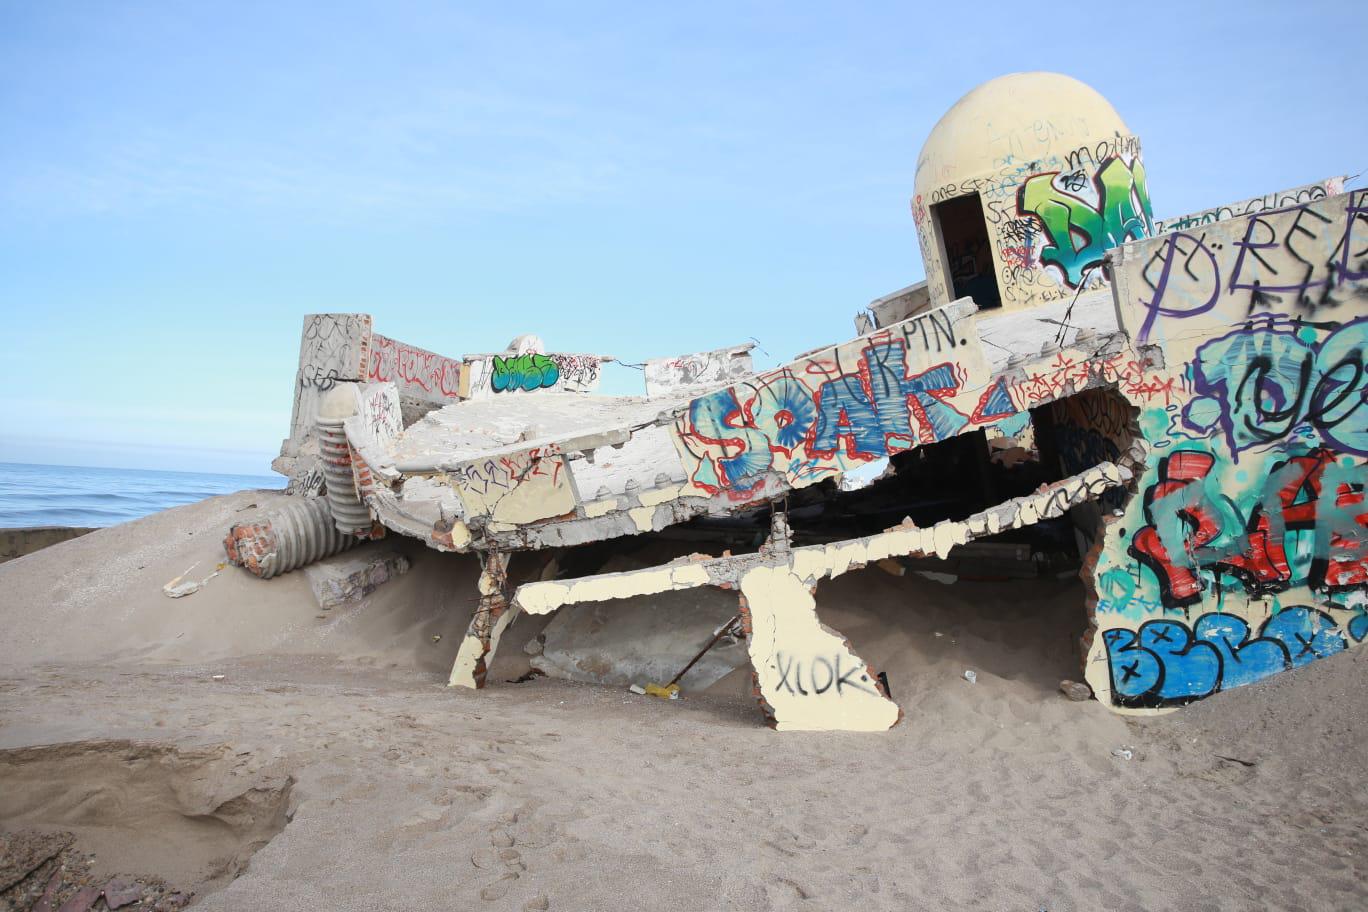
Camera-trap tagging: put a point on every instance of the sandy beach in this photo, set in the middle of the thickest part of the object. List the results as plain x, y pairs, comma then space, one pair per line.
258, 753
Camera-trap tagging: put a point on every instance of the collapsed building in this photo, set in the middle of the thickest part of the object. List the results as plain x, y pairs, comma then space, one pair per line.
1187, 397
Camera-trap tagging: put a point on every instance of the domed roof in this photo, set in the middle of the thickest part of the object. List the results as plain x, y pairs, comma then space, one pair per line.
1014, 120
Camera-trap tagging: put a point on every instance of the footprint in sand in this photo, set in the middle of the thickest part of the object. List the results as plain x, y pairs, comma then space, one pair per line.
501, 857
499, 888
787, 842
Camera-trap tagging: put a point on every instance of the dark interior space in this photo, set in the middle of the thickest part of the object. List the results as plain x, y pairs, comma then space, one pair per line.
968, 256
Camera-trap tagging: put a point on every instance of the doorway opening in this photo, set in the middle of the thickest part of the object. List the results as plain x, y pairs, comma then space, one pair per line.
965, 250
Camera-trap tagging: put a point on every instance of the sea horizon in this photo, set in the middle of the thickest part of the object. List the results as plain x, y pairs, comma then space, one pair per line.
39, 494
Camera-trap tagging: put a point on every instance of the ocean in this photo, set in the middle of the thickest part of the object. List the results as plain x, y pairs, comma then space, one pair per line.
49, 495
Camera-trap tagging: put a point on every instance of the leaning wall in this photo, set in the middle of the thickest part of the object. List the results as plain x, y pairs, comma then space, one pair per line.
1244, 550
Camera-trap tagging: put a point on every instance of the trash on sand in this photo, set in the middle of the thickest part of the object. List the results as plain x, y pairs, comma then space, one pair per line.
970, 676
637, 689
218, 677
1123, 753
178, 589
181, 587
436, 638
668, 692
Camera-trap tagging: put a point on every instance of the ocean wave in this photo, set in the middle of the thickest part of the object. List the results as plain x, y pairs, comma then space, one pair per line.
33, 495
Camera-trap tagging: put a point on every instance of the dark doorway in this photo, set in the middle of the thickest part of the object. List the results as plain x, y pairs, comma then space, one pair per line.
967, 254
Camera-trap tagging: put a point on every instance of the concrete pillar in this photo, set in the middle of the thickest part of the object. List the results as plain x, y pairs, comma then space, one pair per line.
492, 616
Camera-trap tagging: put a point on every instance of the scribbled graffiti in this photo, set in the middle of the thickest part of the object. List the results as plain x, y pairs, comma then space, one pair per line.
1194, 526
577, 373
1165, 662
378, 408
415, 371
1067, 374
1273, 380
1269, 201
666, 374
1090, 428
1295, 261
333, 348
822, 675
1080, 232
507, 472
523, 372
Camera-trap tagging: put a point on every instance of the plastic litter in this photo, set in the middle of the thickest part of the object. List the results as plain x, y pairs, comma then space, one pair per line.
970, 676
668, 692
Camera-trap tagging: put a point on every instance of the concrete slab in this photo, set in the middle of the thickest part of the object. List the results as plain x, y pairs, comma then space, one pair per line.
348, 578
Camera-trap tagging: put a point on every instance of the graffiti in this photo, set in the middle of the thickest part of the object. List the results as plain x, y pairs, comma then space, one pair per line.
815, 417
1093, 427
878, 409
332, 348
995, 403
1300, 256
963, 258
1166, 663
1096, 156
1272, 381
507, 472
666, 374
335, 339
319, 377
578, 373
523, 372
1015, 258
1193, 526
414, 371
822, 675
1265, 203
869, 410
1018, 231
1080, 232
1068, 375
378, 408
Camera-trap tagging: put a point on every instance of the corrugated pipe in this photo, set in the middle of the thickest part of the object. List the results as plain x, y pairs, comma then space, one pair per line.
348, 512
295, 533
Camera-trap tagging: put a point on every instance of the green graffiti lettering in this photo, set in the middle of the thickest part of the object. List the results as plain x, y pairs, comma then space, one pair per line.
1080, 233
525, 372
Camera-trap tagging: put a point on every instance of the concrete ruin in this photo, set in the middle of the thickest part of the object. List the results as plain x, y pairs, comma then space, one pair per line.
1187, 397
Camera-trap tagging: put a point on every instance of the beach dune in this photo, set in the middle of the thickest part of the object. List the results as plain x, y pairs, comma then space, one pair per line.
377, 787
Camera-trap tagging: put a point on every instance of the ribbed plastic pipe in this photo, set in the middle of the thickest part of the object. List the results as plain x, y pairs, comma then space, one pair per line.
292, 535
348, 512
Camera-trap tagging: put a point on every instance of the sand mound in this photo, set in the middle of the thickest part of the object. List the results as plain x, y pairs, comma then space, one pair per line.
99, 598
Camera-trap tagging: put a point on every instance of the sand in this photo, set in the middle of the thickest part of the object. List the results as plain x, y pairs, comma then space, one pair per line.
405, 794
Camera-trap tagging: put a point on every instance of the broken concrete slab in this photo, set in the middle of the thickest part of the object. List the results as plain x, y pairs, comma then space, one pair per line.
348, 578
635, 641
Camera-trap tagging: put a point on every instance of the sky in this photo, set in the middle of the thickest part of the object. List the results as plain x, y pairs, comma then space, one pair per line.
181, 183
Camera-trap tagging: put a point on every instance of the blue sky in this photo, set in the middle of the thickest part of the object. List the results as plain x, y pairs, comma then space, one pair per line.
180, 183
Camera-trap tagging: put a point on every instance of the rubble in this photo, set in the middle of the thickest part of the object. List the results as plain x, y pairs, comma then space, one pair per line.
1066, 381
347, 579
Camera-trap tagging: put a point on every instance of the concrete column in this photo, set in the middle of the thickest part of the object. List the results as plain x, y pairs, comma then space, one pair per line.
492, 616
